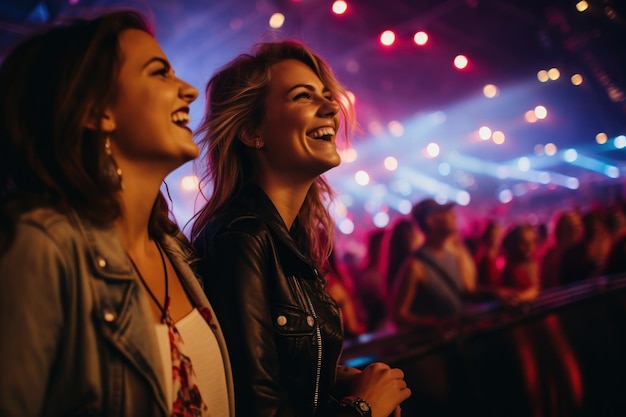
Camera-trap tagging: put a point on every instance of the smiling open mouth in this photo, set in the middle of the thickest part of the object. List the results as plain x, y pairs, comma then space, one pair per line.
323, 133
181, 117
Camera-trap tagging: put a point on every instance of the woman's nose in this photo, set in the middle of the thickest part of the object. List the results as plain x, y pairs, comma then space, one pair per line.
188, 91
329, 108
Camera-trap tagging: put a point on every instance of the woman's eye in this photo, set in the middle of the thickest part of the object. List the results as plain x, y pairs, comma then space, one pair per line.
303, 95
163, 72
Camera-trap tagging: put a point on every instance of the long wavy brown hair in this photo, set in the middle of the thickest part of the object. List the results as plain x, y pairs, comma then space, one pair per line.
234, 107
51, 84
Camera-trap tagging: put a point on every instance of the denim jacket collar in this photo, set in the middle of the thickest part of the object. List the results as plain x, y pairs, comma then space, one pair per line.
117, 297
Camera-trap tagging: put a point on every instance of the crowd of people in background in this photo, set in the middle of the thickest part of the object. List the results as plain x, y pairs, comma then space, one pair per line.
422, 271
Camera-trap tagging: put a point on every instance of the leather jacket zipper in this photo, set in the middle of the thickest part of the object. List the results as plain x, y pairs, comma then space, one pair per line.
318, 335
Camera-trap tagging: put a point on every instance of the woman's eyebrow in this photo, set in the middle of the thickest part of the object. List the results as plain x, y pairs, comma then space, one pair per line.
308, 87
158, 59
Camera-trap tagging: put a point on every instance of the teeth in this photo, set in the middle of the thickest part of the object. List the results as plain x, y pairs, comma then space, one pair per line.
181, 118
321, 132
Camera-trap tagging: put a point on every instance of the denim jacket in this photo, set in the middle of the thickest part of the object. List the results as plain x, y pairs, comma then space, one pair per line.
77, 333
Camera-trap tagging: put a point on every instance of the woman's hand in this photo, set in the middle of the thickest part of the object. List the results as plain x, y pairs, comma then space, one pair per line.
382, 387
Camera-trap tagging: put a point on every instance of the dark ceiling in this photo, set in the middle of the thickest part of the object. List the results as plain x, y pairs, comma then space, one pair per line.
507, 42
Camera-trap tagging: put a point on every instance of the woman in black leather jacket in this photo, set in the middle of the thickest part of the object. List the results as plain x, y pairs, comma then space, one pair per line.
270, 133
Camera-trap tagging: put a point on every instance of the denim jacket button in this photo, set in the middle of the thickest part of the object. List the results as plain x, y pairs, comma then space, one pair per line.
102, 263
281, 320
310, 321
108, 316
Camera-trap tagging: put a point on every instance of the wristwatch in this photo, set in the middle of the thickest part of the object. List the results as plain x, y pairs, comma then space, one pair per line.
357, 404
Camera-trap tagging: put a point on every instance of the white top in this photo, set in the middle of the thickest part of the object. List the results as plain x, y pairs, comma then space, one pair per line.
200, 345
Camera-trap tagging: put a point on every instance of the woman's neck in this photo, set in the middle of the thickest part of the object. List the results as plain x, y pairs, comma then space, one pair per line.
136, 200
288, 199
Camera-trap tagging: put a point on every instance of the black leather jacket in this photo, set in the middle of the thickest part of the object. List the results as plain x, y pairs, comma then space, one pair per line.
283, 330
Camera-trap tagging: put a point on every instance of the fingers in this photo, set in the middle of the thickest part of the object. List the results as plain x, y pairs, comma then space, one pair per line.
384, 370
383, 387
404, 394
397, 373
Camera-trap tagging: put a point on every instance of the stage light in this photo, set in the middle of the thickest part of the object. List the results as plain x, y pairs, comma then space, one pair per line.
596, 165
417, 180
523, 164
505, 196
538, 149
511, 170
391, 163
444, 169
346, 226
550, 149
361, 177
432, 150
340, 7
581, 6
541, 112
620, 142
544, 177
576, 79
570, 155
601, 138
498, 137
338, 209
554, 74
530, 116
420, 38
611, 171
484, 133
572, 183
402, 186
381, 219
542, 76
405, 206
490, 91
190, 183
463, 198
277, 20
395, 128
387, 38
461, 62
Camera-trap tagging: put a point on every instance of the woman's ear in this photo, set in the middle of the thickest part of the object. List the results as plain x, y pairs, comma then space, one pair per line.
251, 140
105, 123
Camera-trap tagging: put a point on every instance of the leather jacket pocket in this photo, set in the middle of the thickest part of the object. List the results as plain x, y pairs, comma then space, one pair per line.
292, 321
295, 330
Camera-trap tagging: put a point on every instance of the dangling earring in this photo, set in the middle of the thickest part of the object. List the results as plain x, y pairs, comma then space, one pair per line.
257, 143
111, 171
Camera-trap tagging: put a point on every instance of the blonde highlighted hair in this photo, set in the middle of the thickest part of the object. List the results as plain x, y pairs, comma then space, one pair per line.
234, 108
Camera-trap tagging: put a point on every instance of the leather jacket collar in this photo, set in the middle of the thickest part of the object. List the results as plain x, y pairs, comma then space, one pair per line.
251, 201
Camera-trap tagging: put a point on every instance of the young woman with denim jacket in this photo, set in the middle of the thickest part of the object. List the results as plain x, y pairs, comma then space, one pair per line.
96, 292
270, 130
